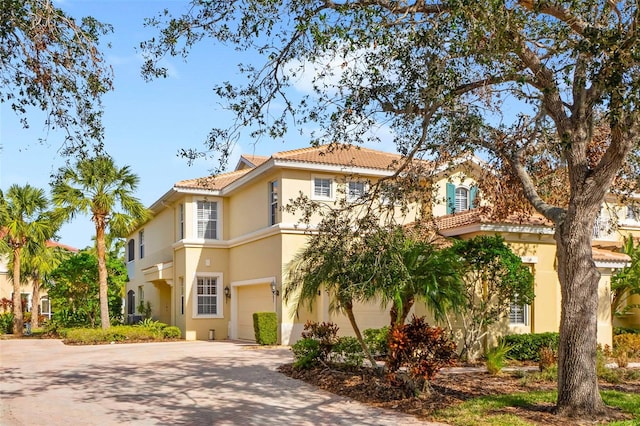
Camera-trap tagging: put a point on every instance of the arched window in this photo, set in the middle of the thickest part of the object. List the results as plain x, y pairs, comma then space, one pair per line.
131, 302
462, 199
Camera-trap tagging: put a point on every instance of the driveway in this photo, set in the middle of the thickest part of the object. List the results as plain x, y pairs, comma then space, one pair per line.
44, 382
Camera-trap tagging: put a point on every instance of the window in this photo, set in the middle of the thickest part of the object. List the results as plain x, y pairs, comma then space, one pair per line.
207, 220
131, 246
517, 313
355, 190
322, 188
462, 199
45, 307
273, 202
207, 295
131, 302
181, 221
141, 296
632, 212
141, 243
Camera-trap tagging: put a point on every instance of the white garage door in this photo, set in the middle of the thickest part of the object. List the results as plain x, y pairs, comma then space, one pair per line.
252, 298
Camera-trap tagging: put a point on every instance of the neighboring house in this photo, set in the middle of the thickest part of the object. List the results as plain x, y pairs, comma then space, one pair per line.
217, 248
26, 289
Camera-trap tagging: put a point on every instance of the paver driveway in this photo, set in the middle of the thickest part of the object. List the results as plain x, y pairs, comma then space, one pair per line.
44, 382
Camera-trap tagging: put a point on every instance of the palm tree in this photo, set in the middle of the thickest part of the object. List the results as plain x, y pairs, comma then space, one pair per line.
37, 264
97, 187
25, 222
408, 269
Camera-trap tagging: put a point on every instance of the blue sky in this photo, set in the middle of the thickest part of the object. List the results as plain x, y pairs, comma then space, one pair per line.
146, 123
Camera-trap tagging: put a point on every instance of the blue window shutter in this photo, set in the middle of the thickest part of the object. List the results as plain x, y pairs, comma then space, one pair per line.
472, 196
451, 197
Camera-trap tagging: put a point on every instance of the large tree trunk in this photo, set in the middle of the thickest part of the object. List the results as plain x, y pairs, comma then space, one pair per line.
400, 317
18, 321
102, 274
577, 378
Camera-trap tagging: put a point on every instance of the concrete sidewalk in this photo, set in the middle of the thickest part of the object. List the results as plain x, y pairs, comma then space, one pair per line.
45, 382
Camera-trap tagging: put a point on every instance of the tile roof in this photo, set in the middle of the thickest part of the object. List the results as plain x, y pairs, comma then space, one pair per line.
342, 155
212, 182
472, 216
335, 155
62, 246
603, 255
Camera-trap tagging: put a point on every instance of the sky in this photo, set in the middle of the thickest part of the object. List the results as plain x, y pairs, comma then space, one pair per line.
146, 123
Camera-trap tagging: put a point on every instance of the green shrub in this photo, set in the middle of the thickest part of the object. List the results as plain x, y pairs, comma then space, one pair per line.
526, 347
118, 333
6, 323
306, 353
265, 326
377, 340
85, 336
625, 330
153, 326
496, 357
348, 351
172, 332
326, 333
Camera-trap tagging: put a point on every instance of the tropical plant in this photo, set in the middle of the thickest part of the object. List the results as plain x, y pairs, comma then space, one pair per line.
496, 357
37, 265
97, 187
524, 81
24, 222
625, 283
335, 262
52, 62
422, 350
494, 277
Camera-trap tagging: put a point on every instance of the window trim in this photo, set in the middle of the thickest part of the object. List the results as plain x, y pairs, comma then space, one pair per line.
218, 219
332, 189
218, 296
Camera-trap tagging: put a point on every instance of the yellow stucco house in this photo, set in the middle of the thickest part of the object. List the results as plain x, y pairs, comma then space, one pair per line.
217, 248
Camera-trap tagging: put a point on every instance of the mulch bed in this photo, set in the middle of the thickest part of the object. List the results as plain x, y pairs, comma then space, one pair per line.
448, 389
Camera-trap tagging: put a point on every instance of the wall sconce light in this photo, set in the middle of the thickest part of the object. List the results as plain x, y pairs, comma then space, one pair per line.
274, 290
227, 292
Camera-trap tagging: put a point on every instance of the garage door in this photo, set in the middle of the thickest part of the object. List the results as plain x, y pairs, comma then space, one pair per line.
252, 298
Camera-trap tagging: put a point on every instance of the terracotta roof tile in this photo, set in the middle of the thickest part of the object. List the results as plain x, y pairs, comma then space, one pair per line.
609, 256
355, 156
256, 160
480, 216
212, 182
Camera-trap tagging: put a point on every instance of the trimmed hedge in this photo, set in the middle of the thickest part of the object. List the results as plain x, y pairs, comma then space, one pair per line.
526, 347
118, 333
265, 326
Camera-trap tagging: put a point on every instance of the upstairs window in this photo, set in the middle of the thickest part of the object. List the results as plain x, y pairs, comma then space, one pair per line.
181, 221
207, 218
141, 243
273, 202
322, 188
355, 190
460, 198
131, 247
